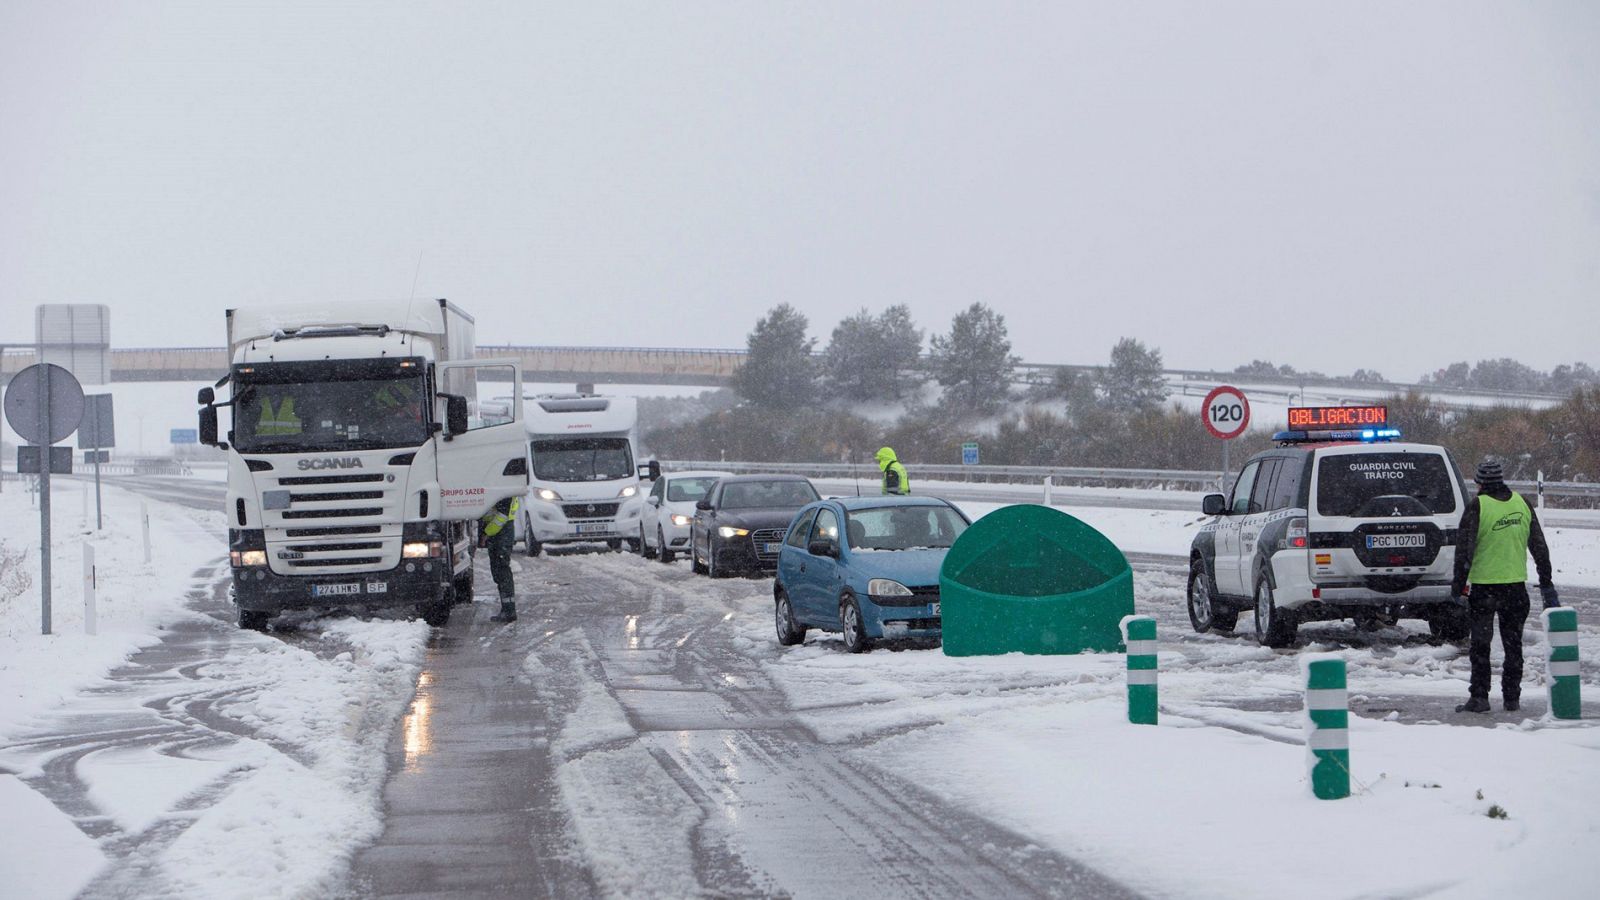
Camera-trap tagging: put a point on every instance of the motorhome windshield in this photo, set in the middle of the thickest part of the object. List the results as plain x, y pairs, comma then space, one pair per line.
322, 406
583, 459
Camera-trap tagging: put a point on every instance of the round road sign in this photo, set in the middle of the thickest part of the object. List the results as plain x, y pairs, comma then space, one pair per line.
1226, 412
52, 389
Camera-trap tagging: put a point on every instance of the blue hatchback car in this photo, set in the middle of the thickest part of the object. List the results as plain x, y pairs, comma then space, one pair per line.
864, 566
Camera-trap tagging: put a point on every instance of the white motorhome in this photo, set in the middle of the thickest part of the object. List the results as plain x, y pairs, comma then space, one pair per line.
357, 456
585, 482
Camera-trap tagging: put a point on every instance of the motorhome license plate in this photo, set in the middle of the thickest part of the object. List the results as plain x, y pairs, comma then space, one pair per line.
595, 528
333, 590
1394, 541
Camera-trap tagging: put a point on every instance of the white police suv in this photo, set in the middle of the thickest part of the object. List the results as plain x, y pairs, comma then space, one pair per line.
1334, 523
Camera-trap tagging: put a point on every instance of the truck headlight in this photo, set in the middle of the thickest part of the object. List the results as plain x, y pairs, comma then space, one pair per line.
680, 520
422, 549
246, 558
886, 587
548, 495
729, 531
628, 491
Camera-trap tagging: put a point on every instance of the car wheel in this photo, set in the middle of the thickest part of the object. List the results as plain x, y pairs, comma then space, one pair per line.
790, 632
711, 560
694, 556
662, 552
852, 626
530, 543
1206, 613
252, 620
1450, 624
1275, 627
644, 545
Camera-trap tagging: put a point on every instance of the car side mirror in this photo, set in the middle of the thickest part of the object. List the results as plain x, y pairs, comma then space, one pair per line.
1214, 505
702, 504
823, 548
455, 415
208, 423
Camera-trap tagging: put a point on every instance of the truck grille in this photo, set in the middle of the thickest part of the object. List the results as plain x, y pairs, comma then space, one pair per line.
590, 510
328, 527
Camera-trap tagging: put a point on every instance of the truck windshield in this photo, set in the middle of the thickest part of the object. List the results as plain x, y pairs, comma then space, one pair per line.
317, 407
583, 459
1356, 484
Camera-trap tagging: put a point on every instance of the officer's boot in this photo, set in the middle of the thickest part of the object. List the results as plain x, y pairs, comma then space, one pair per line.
508, 611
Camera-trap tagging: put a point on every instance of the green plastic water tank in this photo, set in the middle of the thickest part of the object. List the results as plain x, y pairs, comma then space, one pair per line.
1036, 580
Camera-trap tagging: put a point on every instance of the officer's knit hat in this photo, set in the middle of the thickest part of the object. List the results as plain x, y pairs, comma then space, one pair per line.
1490, 472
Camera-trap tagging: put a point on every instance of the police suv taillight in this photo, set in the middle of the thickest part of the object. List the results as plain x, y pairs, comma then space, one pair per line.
1294, 537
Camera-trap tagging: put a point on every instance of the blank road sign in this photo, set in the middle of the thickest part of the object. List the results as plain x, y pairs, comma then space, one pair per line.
98, 430
28, 460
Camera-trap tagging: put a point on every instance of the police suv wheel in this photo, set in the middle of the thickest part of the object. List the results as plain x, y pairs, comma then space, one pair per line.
1205, 612
1274, 627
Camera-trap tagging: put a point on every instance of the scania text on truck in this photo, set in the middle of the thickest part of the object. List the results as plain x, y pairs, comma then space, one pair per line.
357, 457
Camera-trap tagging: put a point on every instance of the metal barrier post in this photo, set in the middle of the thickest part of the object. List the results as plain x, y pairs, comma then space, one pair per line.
1139, 635
1561, 637
91, 623
1047, 486
144, 519
1327, 727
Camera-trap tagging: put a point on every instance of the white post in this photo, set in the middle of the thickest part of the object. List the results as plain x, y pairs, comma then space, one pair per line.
144, 518
1541, 490
90, 625
84, 513
1047, 490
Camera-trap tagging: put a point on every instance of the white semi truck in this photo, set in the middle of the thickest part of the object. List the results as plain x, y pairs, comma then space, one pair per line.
585, 485
357, 457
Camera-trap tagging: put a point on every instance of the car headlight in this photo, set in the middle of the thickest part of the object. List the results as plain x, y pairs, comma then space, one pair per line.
729, 531
547, 495
681, 520
422, 549
244, 558
885, 587
628, 491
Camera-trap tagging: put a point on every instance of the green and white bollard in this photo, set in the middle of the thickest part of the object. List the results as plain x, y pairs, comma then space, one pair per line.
1139, 635
1561, 636
1327, 726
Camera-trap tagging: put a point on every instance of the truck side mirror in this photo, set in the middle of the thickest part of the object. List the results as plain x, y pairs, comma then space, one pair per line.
1214, 504
455, 415
208, 397
208, 423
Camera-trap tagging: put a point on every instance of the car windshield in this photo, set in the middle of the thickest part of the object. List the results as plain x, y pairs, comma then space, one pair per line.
690, 489
582, 459
316, 407
767, 494
1355, 484
904, 527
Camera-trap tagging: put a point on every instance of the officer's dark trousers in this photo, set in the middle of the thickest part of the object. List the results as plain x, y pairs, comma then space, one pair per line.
500, 561
1508, 603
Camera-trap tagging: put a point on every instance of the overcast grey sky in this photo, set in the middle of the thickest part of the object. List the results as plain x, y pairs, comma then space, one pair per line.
1390, 186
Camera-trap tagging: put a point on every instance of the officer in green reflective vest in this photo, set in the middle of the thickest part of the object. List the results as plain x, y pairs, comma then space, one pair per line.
1498, 531
895, 479
277, 421
497, 533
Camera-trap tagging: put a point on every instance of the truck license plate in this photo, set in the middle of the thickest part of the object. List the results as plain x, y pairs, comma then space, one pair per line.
332, 590
1393, 541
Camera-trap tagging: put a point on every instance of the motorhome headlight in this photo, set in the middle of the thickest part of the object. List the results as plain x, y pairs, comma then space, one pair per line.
728, 531
885, 587
628, 491
422, 549
245, 558
548, 495
681, 520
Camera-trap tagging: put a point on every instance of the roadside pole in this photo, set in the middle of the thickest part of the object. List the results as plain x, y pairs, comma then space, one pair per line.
44, 506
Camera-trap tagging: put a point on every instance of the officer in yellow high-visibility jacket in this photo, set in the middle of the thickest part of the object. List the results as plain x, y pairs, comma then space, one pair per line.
1498, 532
895, 479
497, 533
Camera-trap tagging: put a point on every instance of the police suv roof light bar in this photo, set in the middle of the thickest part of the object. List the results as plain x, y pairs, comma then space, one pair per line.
1365, 435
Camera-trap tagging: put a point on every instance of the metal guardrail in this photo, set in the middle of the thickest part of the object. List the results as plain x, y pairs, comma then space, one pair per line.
1163, 479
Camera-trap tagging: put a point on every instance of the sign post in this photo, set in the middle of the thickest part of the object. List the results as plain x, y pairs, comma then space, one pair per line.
44, 405
97, 432
1226, 414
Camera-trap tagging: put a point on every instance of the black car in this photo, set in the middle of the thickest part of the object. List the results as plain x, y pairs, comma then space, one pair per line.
740, 524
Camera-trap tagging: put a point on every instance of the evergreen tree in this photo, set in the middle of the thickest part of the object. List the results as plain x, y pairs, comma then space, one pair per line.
973, 363
779, 372
1133, 382
901, 351
853, 363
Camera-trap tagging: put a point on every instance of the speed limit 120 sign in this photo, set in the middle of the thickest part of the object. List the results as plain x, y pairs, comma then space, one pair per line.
1226, 412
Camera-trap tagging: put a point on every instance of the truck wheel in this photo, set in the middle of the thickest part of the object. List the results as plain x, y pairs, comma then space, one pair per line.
462, 588
1450, 624
251, 620
436, 612
662, 552
530, 543
1275, 627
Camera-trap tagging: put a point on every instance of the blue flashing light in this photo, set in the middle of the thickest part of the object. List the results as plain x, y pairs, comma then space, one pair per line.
1365, 435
